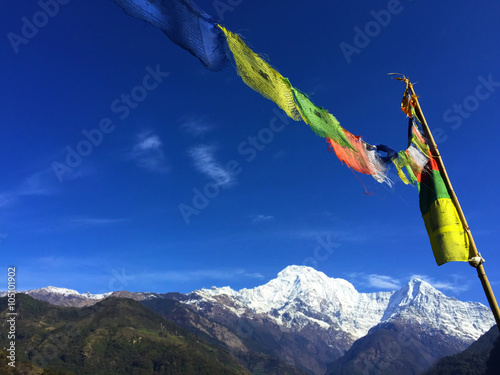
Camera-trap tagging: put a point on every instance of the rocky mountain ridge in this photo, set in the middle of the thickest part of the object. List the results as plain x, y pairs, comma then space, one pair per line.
315, 323
301, 295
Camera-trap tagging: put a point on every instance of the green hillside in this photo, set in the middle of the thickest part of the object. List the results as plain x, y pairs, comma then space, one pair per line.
115, 336
481, 358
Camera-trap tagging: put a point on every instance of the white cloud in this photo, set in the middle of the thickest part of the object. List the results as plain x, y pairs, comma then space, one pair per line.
458, 285
205, 162
6, 198
148, 153
314, 234
148, 143
98, 272
195, 275
261, 218
280, 154
375, 281
383, 282
195, 126
37, 184
94, 221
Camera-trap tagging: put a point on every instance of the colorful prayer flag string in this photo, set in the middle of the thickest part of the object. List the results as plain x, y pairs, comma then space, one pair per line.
192, 29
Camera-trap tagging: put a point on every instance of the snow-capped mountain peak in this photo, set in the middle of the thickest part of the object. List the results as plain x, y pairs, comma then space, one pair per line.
416, 285
304, 272
298, 283
300, 296
415, 289
420, 303
64, 292
56, 290
64, 296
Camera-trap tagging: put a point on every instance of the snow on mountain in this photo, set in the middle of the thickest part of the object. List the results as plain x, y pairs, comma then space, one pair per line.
301, 296
63, 296
67, 292
418, 302
309, 320
55, 290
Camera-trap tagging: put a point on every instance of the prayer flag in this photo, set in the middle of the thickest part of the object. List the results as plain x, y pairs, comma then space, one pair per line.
321, 122
186, 24
260, 76
448, 238
361, 156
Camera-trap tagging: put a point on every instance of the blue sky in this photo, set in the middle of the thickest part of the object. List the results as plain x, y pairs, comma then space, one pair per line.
111, 220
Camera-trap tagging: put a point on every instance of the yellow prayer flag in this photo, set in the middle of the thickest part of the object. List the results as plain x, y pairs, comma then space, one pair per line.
447, 235
260, 76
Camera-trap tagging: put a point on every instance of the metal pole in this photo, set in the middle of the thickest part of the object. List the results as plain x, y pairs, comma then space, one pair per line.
472, 245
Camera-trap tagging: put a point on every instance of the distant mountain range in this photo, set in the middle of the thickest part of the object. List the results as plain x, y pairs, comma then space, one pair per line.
303, 322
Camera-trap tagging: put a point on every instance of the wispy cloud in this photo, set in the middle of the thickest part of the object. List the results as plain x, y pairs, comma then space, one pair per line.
6, 198
56, 224
37, 184
40, 183
45, 262
383, 282
314, 233
196, 126
148, 153
197, 275
376, 281
261, 218
280, 154
458, 285
94, 221
104, 273
205, 162
99, 273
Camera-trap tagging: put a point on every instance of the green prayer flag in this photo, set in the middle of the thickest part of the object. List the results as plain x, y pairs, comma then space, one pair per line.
320, 120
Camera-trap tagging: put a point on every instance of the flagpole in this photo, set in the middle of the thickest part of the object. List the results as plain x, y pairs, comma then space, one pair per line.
478, 264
